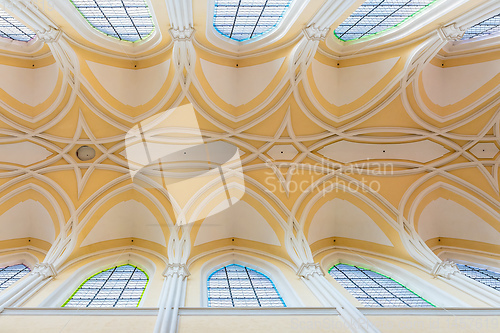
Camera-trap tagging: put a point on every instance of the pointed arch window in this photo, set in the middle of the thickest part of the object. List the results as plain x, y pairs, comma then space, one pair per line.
241, 20
120, 286
482, 275
375, 290
11, 274
239, 286
13, 29
375, 16
128, 20
487, 27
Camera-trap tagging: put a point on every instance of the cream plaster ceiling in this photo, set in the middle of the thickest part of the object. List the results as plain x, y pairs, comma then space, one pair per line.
31, 86
127, 219
345, 220
446, 218
413, 98
341, 86
27, 219
133, 87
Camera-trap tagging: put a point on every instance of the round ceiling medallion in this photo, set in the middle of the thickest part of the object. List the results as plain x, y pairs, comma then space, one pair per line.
85, 153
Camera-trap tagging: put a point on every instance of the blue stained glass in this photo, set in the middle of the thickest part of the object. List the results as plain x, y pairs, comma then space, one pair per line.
245, 19
482, 275
11, 274
375, 290
487, 27
374, 16
13, 29
127, 20
120, 286
238, 286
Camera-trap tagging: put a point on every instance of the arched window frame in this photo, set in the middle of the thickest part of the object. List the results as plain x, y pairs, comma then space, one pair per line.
429, 15
287, 293
475, 265
488, 35
13, 273
106, 270
101, 5
29, 47
373, 298
367, 15
465, 46
251, 280
422, 288
468, 20
213, 36
7, 17
476, 260
478, 265
471, 259
91, 34
59, 296
24, 258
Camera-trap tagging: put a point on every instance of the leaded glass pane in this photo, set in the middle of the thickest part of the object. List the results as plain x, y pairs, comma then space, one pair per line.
374, 16
238, 286
128, 20
375, 290
244, 19
487, 27
482, 275
11, 274
120, 286
13, 29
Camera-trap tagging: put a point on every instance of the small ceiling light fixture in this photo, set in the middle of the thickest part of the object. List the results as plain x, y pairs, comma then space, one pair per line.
85, 153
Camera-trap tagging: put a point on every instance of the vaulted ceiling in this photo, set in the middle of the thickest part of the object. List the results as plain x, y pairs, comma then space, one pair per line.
387, 144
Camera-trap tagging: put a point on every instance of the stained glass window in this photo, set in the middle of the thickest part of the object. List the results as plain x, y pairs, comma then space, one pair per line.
128, 20
484, 28
11, 274
120, 286
374, 16
245, 19
238, 286
487, 277
376, 290
13, 29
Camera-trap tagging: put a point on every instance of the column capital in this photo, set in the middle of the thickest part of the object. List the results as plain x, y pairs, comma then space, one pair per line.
51, 35
444, 269
44, 270
180, 270
182, 34
308, 270
313, 33
451, 32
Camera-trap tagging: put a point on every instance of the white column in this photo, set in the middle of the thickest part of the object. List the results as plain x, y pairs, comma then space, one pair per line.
314, 278
171, 298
